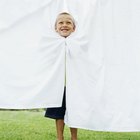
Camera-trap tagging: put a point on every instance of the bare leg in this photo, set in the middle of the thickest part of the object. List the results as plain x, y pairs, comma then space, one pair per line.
73, 133
60, 128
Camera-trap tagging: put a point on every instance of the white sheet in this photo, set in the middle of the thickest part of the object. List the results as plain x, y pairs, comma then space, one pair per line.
102, 61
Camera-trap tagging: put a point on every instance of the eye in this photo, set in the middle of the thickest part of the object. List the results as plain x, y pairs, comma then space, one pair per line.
69, 23
60, 23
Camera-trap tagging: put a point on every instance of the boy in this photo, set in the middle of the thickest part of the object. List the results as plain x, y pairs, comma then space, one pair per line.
64, 26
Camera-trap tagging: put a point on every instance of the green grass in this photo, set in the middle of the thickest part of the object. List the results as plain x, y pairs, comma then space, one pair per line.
32, 125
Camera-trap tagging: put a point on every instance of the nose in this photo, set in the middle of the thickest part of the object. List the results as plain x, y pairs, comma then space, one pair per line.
64, 24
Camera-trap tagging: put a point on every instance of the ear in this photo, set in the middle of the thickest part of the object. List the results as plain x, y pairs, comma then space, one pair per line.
73, 28
56, 29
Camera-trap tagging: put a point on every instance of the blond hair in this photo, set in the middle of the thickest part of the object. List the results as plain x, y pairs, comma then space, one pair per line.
65, 13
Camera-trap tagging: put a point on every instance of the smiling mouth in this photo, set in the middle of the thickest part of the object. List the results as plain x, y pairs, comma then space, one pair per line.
64, 29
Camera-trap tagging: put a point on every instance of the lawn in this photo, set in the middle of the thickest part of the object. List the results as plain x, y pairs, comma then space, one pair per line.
32, 125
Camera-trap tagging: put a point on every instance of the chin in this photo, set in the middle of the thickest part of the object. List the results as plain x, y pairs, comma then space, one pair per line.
65, 35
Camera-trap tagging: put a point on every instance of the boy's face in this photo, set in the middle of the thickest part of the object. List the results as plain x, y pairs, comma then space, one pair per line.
64, 25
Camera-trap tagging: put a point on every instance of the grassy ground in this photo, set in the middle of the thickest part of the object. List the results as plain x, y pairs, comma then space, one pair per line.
31, 125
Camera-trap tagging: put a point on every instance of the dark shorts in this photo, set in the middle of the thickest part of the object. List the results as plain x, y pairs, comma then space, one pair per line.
58, 112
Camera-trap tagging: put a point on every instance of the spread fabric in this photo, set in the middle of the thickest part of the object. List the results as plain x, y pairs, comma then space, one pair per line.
100, 61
